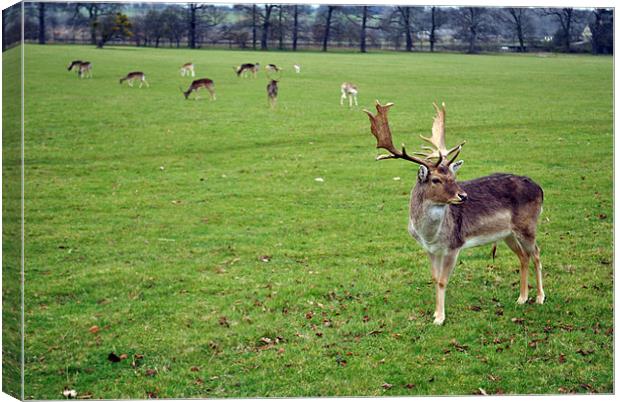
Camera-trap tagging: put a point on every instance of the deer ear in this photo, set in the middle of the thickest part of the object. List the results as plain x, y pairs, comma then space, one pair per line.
456, 166
422, 173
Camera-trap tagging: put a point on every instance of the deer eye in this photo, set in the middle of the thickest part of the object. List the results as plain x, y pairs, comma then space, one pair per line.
435, 181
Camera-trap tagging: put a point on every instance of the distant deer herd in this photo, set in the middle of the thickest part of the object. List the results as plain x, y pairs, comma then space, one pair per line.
445, 216
245, 70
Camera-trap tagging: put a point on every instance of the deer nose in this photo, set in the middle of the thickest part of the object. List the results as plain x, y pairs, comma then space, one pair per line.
463, 196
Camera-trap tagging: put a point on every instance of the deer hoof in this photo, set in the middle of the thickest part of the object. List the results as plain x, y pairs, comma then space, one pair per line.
540, 299
439, 320
521, 300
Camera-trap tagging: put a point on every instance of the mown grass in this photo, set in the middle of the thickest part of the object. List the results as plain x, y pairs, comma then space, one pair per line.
147, 216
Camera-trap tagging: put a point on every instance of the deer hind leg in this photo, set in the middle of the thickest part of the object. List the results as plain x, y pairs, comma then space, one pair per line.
355, 99
211, 92
145, 83
446, 266
524, 258
540, 293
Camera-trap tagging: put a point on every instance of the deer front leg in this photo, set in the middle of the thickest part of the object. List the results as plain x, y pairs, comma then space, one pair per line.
355, 99
446, 267
342, 98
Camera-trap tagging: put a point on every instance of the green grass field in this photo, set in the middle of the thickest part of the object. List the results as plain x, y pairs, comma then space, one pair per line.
187, 232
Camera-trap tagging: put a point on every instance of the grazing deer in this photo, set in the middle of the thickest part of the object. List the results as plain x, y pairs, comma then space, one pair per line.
187, 69
84, 68
247, 68
446, 216
205, 83
272, 93
348, 90
272, 68
297, 68
135, 75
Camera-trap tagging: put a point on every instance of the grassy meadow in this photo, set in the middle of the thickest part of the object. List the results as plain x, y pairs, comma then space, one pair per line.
194, 238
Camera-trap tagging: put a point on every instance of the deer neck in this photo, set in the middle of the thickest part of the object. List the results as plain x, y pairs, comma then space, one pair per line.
426, 221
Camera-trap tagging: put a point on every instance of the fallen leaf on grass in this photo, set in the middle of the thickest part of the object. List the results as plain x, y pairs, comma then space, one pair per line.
194, 368
517, 320
482, 392
223, 321
198, 382
150, 372
493, 377
475, 308
113, 358
94, 329
265, 258
151, 395
386, 385
366, 318
409, 386
309, 314
584, 352
123, 356
562, 358
587, 387
458, 346
87, 395
563, 390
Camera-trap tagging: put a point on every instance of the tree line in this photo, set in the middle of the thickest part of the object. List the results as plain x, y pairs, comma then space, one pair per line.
293, 27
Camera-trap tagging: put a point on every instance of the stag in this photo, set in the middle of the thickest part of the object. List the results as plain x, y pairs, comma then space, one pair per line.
84, 68
187, 69
135, 75
446, 216
272, 93
247, 68
205, 83
348, 90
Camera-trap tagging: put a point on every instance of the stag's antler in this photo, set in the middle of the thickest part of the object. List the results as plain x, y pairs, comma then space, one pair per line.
381, 130
438, 139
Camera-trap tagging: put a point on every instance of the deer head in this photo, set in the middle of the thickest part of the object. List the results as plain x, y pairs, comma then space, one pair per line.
437, 173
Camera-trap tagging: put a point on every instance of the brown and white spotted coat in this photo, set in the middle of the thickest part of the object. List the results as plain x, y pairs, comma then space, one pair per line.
84, 68
205, 83
446, 216
187, 69
135, 75
348, 90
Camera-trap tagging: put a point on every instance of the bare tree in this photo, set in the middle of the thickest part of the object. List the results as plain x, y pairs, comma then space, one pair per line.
254, 26
266, 25
472, 24
173, 26
94, 10
566, 17
280, 28
295, 26
518, 19
437, 20
602, 29
328, 23
404, 20
41, 9
193, 24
